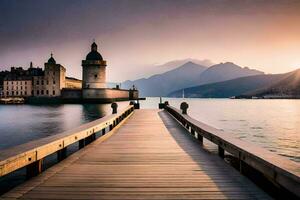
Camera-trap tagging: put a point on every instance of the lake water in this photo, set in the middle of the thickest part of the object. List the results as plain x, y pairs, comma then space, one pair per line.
272, 124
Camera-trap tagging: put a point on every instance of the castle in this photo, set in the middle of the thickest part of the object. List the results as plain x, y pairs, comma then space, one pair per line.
52, 85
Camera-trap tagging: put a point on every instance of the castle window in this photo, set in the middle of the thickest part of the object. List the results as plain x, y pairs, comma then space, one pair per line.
17, 93
12, 93
42, 82
21, 93
42, 92
37, 82
47, 92
25, 82
37, 92
95, 75
53, 92
53, 81
25, 93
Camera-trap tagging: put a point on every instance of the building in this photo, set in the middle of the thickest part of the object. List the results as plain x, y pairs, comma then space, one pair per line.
18, 82
52, 86
3, 74
93, 70
94, 87
52, 82
18, 87
35, 82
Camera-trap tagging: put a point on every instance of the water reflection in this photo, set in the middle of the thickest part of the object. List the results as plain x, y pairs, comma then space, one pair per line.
22, 123
91, 111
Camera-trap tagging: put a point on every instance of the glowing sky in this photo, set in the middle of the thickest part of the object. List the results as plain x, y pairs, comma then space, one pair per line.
134, 36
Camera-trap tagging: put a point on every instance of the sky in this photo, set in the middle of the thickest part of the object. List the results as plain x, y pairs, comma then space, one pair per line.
135, 36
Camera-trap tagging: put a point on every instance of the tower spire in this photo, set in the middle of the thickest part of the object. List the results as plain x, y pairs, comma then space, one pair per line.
94, 46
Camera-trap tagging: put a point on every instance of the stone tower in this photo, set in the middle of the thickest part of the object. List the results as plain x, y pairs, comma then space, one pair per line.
93, 70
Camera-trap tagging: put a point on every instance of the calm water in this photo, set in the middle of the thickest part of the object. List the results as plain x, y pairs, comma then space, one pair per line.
22, 123
272, 124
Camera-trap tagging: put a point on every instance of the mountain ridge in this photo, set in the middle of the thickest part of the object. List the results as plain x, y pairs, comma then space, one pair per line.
161, 84
286, 85
188, 75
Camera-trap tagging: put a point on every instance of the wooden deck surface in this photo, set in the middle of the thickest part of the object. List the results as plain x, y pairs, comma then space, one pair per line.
150, 156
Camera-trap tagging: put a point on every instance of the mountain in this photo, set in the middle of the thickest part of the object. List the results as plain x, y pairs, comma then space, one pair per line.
158, 69
225, 71
150, 70
287, 87
229, 88
162, 84
188, 75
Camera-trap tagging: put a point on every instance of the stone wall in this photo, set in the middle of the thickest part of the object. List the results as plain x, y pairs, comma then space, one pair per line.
68, 93
93, 76
105, 93
73, 83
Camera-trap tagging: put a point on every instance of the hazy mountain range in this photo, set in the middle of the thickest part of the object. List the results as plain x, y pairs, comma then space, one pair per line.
187, 75
228, 88
263, 86
217, 81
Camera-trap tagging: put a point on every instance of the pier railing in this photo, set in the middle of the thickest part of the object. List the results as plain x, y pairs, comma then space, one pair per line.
31, 155
279, 170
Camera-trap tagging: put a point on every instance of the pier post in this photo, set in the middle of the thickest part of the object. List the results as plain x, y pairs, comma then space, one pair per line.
81, 143
34, 168
187, 126
62, 154
114, 107
161, 105
184, 106
93, 136
137, 105
193, 132
221, 152
200, 138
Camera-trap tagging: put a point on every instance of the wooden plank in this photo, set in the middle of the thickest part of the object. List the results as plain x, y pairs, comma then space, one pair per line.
278, 169
149, 157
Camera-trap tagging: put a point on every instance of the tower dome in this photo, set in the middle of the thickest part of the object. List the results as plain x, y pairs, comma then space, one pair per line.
93, 71
94, 54
51, 60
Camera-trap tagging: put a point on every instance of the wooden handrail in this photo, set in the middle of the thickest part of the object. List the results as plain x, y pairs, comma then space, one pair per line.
32, 153
275, 168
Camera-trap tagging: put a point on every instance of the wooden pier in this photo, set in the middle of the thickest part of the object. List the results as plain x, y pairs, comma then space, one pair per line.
147, 154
